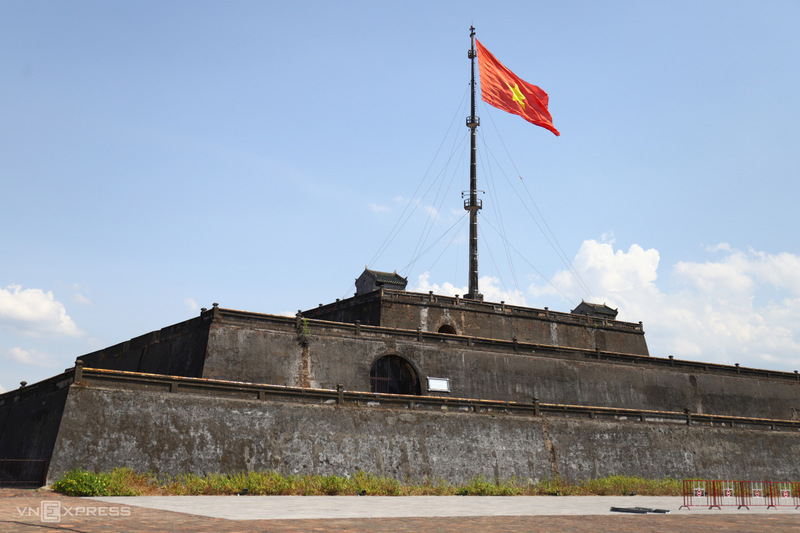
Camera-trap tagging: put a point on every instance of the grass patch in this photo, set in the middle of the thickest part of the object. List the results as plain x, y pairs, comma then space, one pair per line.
118, 482
126, 482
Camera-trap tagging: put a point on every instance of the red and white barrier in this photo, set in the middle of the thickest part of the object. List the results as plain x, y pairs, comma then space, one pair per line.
718, 493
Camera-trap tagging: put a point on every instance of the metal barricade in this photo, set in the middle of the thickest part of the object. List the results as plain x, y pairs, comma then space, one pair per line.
742, 494
720, 493
694, 493
759, 494
746, 494
725, 492
781, 493
796, 495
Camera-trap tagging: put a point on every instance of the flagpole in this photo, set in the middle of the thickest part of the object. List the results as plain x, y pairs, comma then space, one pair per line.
473, 204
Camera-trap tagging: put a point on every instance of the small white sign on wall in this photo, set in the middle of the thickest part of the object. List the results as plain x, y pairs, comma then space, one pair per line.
439, 384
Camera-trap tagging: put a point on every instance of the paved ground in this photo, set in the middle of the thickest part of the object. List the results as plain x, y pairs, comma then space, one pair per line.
29, 510
371, 507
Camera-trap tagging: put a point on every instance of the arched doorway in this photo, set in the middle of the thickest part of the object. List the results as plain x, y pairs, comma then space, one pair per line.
447, 328
393, 375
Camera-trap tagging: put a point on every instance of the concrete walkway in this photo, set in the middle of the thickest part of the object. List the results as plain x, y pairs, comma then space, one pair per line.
340, 507
28, 511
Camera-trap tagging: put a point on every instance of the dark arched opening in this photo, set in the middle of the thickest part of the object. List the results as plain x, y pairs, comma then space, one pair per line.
393, 375
447, 328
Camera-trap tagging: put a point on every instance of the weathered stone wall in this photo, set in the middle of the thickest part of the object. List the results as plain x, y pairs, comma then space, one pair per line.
404, 310
482, 320
29, 421
173, 433
365, 309
255, 350
177, 350
266, 349
240, 346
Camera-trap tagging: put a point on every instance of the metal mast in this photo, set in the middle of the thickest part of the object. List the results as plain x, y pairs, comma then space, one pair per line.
473, 204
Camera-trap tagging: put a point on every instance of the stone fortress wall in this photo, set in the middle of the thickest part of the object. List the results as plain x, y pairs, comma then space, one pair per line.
599, 411
176, 425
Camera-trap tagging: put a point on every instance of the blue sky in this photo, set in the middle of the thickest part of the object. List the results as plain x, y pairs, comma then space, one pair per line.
156, 157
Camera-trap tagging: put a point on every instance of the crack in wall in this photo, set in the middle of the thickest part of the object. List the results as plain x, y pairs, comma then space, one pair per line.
549, 447
305, 369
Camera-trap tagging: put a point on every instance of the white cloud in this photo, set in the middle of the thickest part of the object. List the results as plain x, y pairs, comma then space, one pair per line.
712, 314
413, 204
192, 305
736, 307
81, 299
29, 357
375, 208
78, 292
724, 246
96, 344
432, 211
487, 285
35, 312
2, 390
782, 271
446, 289
624, 280
600, 266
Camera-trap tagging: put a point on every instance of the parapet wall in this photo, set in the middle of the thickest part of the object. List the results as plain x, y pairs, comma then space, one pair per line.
177, 350
241, 346
311, 353
152, 424
429, 313
29, 421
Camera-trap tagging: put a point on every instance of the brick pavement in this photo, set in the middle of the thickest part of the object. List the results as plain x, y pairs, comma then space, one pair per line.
12, 501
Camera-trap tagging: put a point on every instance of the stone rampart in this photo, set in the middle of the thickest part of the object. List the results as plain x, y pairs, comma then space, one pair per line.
29, 420
429, 313
241, 346
177, 350
312, 353
176, 425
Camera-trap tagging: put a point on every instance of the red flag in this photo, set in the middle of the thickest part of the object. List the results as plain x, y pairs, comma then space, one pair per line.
504, 90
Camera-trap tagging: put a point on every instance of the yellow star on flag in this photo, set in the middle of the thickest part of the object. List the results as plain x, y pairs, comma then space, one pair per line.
518, 96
